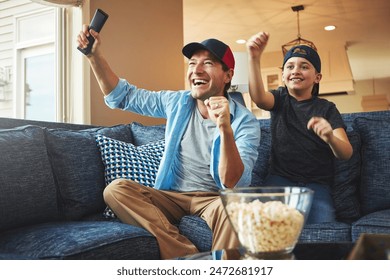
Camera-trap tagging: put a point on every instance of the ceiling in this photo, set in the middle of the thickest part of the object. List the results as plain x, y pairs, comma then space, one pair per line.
362, 26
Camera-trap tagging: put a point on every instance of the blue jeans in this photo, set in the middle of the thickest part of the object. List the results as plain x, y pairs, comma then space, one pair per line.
322, 209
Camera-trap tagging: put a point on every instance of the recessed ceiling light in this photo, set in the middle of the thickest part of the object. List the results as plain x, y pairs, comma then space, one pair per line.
330, 27
241, 41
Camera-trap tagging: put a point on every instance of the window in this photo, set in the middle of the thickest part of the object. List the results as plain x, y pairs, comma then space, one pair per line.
38, 59
28, 61
36, 96
39, 100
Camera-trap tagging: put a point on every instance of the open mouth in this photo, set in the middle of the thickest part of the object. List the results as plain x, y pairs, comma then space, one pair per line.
198, 82
295, 80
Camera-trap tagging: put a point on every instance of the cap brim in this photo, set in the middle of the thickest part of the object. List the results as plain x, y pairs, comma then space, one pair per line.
189, 49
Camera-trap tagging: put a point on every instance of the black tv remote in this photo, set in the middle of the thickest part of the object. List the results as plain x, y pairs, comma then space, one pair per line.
98, 20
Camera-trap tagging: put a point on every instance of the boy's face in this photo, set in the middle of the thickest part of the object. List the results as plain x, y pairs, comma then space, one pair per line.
206, 76
299, 75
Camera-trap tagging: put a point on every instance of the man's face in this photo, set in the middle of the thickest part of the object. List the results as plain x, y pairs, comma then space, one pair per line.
206, 76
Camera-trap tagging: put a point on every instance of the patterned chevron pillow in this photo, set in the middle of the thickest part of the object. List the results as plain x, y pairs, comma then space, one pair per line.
127, 161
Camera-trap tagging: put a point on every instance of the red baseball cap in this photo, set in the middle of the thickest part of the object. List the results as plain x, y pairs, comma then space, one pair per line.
219, 49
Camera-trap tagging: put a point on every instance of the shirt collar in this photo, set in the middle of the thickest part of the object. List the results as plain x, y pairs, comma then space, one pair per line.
232, 104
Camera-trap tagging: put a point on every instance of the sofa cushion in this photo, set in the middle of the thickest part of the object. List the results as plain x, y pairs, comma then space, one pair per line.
13, 122
144, 134
78, 168
374, 131
377, 223
348, 119
27, 187
12, 256
326, 232
80, 240
197, 231
260, 170
346, 182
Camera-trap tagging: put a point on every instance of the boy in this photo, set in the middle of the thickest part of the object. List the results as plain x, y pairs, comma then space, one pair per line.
307, 131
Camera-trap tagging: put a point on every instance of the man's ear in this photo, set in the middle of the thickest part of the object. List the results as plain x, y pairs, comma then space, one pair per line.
229, 75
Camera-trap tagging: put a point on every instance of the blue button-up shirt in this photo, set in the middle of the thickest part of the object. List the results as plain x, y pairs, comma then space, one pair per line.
177, 107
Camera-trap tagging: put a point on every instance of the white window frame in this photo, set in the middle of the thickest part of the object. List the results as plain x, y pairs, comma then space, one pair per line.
23, 50
72, 69
78, 71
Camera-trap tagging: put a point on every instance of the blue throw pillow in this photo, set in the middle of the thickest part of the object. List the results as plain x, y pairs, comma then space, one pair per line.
260, 170
127, 161
374, 131
78, 169
346, 183
28, 190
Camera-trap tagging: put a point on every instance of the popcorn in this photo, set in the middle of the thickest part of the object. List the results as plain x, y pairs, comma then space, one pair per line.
265, 227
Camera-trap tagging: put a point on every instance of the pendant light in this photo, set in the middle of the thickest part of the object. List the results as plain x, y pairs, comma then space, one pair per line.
299, 40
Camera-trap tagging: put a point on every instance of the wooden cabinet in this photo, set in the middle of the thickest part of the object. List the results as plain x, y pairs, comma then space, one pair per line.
272, 79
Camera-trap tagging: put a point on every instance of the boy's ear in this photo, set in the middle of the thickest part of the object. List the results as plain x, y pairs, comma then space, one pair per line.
318, 78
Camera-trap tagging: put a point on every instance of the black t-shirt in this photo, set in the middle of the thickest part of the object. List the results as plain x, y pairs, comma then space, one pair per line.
298, 153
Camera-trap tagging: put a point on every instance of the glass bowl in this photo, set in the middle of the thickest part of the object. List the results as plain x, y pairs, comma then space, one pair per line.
267, 220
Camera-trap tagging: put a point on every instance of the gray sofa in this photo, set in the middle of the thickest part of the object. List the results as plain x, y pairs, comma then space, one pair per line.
53, 175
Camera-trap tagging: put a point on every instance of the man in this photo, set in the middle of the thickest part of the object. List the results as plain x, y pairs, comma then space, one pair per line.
211, 144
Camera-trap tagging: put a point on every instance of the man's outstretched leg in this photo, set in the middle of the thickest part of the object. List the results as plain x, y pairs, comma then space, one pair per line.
154, 210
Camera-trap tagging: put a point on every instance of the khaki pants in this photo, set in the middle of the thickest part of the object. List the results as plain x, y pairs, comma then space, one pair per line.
157, 211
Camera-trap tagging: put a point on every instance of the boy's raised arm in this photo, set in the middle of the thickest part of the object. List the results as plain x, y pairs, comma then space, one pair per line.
255, 47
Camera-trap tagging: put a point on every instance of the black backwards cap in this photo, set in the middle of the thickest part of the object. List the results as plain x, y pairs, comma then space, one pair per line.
305, 52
